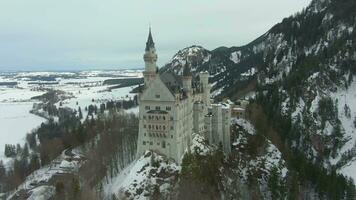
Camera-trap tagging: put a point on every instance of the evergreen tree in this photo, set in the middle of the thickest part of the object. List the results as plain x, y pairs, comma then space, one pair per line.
75, 188
273, 183
34, 162
2, 170
10, 150
25, 151
80, 113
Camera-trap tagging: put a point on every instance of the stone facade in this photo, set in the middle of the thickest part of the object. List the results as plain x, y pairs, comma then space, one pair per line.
172, 108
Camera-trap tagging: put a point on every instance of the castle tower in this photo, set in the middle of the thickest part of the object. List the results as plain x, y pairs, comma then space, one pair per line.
187, 79
226, 118
217, 124
204, 80
150, 58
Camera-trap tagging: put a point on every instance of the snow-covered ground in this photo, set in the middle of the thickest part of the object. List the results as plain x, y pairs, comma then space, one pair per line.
348, 97
138, 179
15, 123
16, 102
37, 183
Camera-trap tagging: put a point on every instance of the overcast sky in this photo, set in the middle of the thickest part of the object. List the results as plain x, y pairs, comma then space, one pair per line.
109, 34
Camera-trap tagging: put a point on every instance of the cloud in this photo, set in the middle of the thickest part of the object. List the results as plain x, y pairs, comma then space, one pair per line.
67, 34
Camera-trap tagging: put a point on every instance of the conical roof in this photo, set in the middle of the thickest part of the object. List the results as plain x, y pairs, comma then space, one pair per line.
149, 43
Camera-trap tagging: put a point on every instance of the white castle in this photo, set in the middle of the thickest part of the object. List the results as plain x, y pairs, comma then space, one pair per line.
172, 108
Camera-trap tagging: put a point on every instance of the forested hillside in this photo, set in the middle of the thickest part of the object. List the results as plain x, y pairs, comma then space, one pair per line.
301, 75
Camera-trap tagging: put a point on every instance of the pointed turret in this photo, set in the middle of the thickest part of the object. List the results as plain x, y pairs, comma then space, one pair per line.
187, 78
150, 58
149, 43
186, 70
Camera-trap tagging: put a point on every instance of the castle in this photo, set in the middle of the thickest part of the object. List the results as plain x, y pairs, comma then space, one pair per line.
173, 107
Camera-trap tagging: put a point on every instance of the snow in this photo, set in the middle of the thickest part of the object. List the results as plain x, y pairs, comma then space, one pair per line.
37, 180
298, 110
285, 106
348, 97
134, 110
199, 145
246, 125
140, 174
250, 72
42, 193
217, 92
15, 102
263, 163
235, 56
15, 122
349, 169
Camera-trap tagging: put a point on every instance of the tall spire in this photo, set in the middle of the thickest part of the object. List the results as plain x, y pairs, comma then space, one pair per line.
149, 43
186, 69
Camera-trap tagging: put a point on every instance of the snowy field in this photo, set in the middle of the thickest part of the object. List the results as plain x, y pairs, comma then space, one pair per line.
15, 122
86, 86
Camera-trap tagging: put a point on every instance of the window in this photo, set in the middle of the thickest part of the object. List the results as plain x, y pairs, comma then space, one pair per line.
171, 136
149, 126
144, 126
171, 118
158, 143
151, 143
147, 107
168, 108
144, 134
144, 142
164, 118
158, 108
158, 96
171, 127
164, 127
163, 144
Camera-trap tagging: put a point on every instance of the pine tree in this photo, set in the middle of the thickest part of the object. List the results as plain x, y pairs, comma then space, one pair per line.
18, 149
10, 150
75, 187
273, 183
80, 113
25, 151
2, 170
34, 162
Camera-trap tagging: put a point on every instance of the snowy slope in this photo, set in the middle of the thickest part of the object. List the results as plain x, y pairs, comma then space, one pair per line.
142, 177
348, 97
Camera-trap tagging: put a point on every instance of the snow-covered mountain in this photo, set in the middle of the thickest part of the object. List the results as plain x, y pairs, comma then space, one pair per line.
302, 74
306, 62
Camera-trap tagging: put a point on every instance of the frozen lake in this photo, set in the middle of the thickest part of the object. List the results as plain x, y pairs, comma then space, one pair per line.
15, 122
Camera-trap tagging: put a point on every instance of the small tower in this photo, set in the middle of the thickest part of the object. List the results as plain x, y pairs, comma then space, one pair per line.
150, 58
204, 81
187, 78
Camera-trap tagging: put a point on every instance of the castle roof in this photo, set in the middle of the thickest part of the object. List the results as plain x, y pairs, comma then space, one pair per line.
172, 81
149, 43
